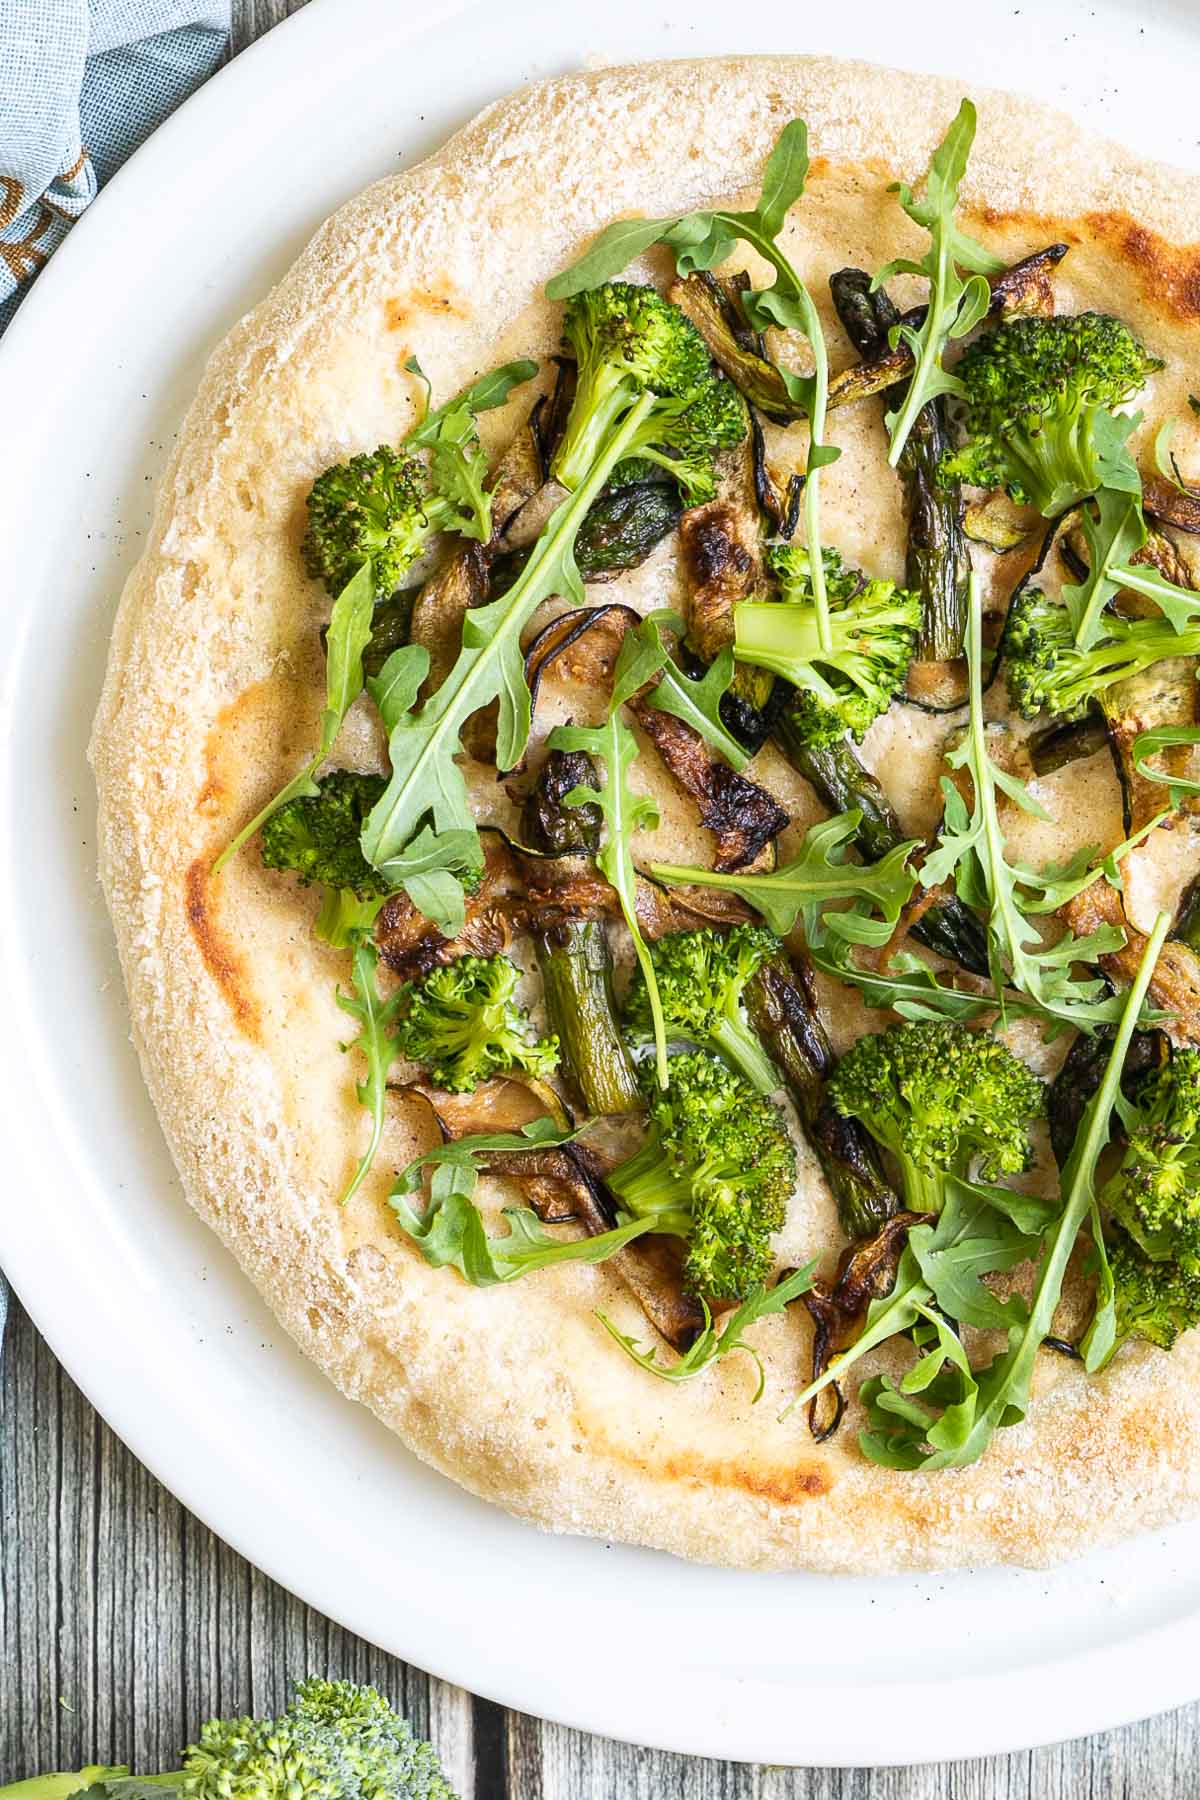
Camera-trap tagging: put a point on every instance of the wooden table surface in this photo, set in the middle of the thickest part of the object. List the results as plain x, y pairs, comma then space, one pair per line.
124, 1622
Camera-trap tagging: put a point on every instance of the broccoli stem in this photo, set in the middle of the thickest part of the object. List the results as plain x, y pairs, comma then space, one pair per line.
646, 1185
947, 927
739, 1045
938, 563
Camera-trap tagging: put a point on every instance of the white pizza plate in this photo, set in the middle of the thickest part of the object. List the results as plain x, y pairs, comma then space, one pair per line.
149, 1315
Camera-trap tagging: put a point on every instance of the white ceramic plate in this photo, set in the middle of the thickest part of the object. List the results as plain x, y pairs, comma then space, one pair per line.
149, 1315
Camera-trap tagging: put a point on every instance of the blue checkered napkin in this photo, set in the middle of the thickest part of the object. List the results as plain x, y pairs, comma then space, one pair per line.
82, 83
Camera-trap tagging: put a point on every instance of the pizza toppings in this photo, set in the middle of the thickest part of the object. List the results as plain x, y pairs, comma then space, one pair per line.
654, 432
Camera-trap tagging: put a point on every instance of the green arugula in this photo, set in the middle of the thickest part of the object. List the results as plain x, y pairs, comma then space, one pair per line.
348, 636
1166, 737
819, 875
909, 987
451, 1231
981, 1230
490, 391
900, 1426
458, 467
701, 240
956, 304
375, 1017
1114, 533
972, 848
696, 701
1004, 1386
712, 1344
625, 812
426, 783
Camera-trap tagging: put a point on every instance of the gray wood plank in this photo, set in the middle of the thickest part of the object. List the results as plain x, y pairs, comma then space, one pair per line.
124, 1621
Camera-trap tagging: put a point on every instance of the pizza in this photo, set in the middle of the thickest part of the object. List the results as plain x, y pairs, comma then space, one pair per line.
646, 783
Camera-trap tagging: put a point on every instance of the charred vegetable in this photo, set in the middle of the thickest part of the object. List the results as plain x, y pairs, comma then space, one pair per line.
791, 1034
938, 563
946, 926
573, 954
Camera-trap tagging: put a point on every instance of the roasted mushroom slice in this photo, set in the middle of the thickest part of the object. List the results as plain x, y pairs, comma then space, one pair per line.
866, 1272
743, 817
1175, 983
411, 945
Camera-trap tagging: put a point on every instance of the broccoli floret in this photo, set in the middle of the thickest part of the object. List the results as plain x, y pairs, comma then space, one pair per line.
462, 1024
714, 420
629, 341
316, 837
702, 976
1154, 1300
940, 1098
874, 626
1047, 671
1034, 389
376, 508
1155, 1193
717, 1169
336, 1741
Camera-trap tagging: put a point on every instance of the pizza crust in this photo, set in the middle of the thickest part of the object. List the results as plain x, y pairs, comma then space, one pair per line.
212, 695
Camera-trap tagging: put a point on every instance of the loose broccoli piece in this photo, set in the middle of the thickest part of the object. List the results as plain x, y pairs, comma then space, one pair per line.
376, 508
463, 1025
874, 626
1155, 1193
940, 1098
629, 341
1047, 671
1034, 392
702, 976
1154, 1300
317, 838
717, 1169
336, 1741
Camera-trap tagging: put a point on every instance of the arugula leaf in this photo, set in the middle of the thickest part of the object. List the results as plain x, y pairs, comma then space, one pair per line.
819, 875
956, 304
458, 467
696, 701
700, 241
902, 1426
712, 1344
1165, 737
347, 637
426, 782
490, 391
1004, 1387
909, 987
375, 1017
1179, 605
1055, 883
971, 1230
624, 812
451, 1230
972, 847
1114, 534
